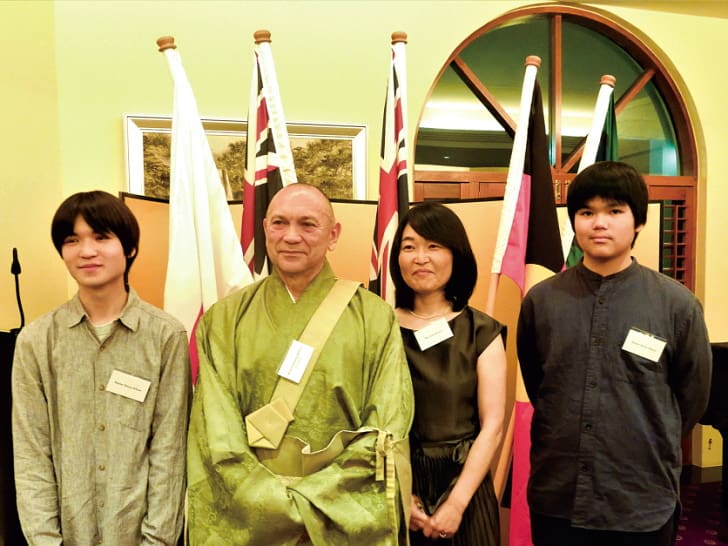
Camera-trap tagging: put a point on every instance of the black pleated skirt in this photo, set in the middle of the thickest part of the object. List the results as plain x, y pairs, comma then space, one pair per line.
433, 476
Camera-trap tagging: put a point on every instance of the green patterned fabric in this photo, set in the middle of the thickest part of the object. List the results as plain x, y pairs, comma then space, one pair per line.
360, 382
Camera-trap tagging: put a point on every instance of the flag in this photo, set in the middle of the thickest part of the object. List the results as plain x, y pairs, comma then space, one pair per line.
205, 261
393, 179
605, 126
268, 157
528, 234
534, 240
609, 142
533, 231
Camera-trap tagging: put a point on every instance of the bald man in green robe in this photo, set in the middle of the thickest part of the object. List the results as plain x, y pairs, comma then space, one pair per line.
351, 489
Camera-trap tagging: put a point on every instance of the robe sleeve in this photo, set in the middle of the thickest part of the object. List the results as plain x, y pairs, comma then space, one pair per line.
232, 497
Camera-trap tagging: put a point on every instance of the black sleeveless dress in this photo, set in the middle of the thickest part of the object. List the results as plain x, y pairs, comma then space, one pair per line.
446, 422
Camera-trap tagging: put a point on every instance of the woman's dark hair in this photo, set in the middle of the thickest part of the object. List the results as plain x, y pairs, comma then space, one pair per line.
609, 180
105, 214
435, 222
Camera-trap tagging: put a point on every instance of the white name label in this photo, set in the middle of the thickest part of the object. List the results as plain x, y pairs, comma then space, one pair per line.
644, 344
294, 364
128, 386
432, 334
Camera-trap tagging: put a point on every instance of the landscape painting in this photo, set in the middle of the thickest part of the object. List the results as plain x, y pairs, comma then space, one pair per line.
331, 157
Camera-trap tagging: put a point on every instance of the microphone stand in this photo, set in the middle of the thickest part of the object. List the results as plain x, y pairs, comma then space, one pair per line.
15, 270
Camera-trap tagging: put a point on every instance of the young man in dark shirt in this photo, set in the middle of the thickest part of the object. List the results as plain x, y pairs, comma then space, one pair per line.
616, 360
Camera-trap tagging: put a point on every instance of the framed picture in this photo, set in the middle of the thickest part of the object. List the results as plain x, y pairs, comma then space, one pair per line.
331, 157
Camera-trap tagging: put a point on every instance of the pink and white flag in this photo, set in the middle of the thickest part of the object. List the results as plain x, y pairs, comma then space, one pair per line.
205, 261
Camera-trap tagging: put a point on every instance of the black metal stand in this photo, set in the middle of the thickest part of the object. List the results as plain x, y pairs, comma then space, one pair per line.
9, 523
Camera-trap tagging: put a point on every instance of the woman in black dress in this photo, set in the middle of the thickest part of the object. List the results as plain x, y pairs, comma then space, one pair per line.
458, 364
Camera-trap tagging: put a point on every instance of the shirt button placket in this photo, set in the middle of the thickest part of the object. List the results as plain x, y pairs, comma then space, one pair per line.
100, 440
590, 405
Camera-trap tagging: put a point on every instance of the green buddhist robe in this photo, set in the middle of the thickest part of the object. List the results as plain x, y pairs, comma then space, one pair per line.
360, 382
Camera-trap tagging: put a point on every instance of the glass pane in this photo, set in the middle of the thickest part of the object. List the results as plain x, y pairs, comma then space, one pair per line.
587, 56
456, 130
646, 135
498, 58
646, 139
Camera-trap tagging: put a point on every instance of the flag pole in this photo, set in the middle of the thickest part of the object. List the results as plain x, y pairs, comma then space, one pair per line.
513, 186
166, 42
591, 146
262, 35
271, 90
205, 261
268, 157
393, 200
399, 41
606, 88
513, 180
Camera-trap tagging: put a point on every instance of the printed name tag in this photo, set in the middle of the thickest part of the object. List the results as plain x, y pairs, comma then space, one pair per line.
433, 333
644, 344
295, 362
128, 386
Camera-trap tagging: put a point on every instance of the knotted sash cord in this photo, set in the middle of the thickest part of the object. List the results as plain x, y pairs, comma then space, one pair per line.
395, 455
267, 426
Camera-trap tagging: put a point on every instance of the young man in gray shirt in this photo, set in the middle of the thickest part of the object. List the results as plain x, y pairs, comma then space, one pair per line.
101, 390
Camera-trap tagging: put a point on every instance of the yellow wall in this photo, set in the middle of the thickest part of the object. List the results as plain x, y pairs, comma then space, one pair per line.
30, 177
78, 66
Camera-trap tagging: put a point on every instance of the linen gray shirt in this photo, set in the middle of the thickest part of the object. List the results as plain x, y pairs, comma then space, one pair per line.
91, 466
607, 424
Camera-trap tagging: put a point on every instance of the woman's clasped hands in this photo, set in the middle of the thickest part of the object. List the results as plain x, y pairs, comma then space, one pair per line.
442, 524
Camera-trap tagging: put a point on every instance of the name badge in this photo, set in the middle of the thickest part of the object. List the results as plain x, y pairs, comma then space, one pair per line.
432, 334
644, 344
294, 364
128, 386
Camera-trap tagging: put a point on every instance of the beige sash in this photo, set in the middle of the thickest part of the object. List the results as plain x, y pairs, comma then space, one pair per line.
267, 426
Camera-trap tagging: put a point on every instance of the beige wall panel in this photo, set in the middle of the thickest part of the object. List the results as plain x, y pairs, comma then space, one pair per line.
351, 257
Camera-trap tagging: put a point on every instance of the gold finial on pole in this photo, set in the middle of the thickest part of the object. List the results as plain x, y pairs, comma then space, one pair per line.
399, 36
166, 42
608, 79
261, 36
534, 60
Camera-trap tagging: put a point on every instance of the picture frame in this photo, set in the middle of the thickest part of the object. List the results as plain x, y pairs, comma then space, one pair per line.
330, 156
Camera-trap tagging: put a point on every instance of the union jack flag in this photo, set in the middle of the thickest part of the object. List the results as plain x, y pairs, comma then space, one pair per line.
393, 186
268, 159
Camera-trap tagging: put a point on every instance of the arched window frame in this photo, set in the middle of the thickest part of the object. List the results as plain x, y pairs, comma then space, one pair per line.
679, 193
